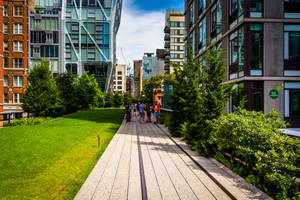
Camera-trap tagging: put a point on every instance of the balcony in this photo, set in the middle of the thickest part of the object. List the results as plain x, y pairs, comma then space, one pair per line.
167, 29
167, 45
167, 37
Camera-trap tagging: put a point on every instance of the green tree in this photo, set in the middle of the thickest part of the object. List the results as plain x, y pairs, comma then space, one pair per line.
42, 97
87, 91
153, 83
128, 99
101, 99
108, 98
66, 88
118, 100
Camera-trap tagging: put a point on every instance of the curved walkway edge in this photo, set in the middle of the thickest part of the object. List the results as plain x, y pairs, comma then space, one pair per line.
170, 170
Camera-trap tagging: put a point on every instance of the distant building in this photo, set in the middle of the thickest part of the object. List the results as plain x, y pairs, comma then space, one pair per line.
261, 47
149, 66
120, 79
137, 78
1, 61
174, 39
130, 85
160, 55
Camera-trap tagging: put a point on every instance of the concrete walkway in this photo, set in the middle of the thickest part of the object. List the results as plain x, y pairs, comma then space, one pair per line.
143, 162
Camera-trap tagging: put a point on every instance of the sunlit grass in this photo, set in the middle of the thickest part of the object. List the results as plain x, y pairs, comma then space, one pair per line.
53, 159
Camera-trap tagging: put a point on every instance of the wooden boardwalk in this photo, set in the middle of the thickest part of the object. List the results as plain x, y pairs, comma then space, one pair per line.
171, 170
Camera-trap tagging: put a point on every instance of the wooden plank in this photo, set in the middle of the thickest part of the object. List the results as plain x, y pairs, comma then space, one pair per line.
182, 187
105, 185
153, 191
88, 188
120, 187
166, 186
199, 189
134, 184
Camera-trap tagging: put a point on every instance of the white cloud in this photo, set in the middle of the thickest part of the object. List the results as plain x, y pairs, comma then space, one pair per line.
139, 32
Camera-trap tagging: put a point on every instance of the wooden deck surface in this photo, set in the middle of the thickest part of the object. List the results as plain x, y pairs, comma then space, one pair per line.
169, 173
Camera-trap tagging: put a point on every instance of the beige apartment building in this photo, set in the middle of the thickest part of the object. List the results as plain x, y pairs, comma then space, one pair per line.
120, 79
174, 39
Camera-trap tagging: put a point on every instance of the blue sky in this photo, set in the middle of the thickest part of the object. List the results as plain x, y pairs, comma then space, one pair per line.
142, 27
153, 5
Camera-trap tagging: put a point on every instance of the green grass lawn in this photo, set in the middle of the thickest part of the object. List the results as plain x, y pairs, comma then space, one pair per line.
53, 159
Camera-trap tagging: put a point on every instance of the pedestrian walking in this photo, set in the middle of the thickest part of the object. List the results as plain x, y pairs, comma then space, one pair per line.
141, 113
156, 109
148, 112
128, 113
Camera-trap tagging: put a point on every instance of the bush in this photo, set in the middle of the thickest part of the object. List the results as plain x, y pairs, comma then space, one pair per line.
254, 138
29, 121
165, 118
118, 100
108, 98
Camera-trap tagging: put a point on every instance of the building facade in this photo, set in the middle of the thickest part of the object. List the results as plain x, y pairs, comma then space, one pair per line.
174, 39
260, 40
89, 38
161, 58
130, 85
15, 53
44, 35
120, 79
137, 75
149, 68
1, 60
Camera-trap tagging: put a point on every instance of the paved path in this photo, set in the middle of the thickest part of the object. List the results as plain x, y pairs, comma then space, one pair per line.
171, 170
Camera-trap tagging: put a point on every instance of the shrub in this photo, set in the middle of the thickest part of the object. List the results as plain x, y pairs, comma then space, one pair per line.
255, 139
165, 118
108, 98
29, 121
118, 100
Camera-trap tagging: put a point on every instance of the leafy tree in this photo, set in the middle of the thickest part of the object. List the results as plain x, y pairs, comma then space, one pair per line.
42, 97
101, 99
87, 91
66, 88
186, 99
118, 100
151, 84
128, 99
108, 98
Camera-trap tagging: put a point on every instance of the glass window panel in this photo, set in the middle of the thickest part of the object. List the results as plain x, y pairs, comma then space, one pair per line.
294, 45
295, 103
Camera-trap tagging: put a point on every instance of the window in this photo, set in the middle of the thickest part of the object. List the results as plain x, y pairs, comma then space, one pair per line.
18, 46
192, 14
49, 36
201, 6
295, 103
237, 93
75, 27
91, 55
119, 72
5, 11
18, 81
17, 98
120, 82
256, 9
202, 34
5, 81
91, 14
237, 48
18, 11
5, 46
256, 37
216, 19
18, 28
5, 28
236, 7
292, 42
119, 77
119, 87
72, 68
99, 28
18, 62
5, 62
5, 98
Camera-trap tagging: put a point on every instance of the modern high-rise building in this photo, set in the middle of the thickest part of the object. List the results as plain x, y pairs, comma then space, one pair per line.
44, 36
89, 38
137, 75
120, 79
161, 56
149, 68
261, 45
174, 39
15, 55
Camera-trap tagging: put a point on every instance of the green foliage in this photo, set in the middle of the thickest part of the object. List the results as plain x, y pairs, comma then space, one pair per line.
29, 121
118, 99
101, 99
41, 96
165, 118
255, 139
67, 88
128, 99
87, 91
108, 98
151, 84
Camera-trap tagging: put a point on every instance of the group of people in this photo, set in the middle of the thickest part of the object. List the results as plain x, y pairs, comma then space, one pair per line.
142, 110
